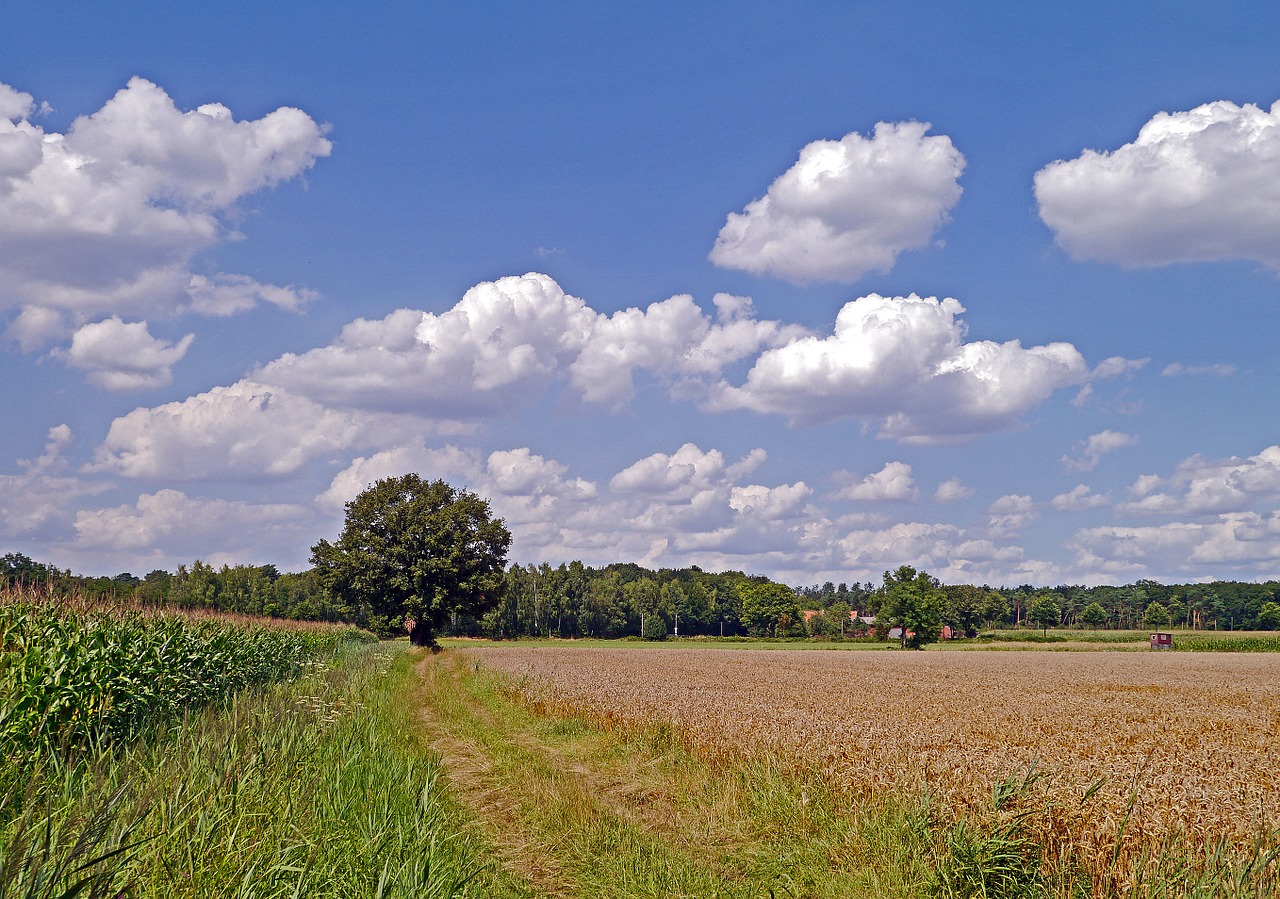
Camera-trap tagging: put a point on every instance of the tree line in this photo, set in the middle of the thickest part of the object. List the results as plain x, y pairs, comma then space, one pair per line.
424, 558
626, 599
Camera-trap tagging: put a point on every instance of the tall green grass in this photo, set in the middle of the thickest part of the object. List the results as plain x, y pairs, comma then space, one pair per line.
318, 787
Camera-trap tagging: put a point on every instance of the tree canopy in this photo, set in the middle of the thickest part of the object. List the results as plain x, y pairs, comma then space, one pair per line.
769, 609
1045, 611
912, 600
415, 552
1094, 615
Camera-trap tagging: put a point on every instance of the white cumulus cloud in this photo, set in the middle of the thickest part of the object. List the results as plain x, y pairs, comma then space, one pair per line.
244, 431
1079, 499
902, 362
1195, 186
123, 355
108, 218
500, 346
893, 483
1201, 486
507, 341
847, 207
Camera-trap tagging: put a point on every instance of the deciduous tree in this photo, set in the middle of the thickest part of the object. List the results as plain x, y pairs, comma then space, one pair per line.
1156, 615
1045, 611
769, 609
1094, 615
913, 601
416, 549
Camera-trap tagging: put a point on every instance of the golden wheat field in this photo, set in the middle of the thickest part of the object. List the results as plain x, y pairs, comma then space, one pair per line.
1183, 744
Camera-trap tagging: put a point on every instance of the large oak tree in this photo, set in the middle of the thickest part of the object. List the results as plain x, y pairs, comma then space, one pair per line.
415, 551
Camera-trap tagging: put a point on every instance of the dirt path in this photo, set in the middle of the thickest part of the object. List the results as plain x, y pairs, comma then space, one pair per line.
480, 783
508, 774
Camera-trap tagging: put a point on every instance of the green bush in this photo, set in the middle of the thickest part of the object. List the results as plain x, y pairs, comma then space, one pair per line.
654, 628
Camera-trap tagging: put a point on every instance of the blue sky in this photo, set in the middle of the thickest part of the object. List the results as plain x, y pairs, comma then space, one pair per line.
810, 290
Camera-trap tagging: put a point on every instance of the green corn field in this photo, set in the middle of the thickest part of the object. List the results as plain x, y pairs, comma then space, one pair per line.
72, 676
150, 754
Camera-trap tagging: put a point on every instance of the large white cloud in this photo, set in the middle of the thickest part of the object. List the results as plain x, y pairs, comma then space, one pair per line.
1201, 486
245, 431
1199, 185
902, 362
847, 207
108, 218
507, 341
500, 346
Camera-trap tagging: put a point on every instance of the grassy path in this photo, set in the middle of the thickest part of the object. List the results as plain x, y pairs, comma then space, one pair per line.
577, 812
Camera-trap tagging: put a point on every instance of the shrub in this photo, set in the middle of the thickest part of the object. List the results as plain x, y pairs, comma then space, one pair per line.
653, 628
